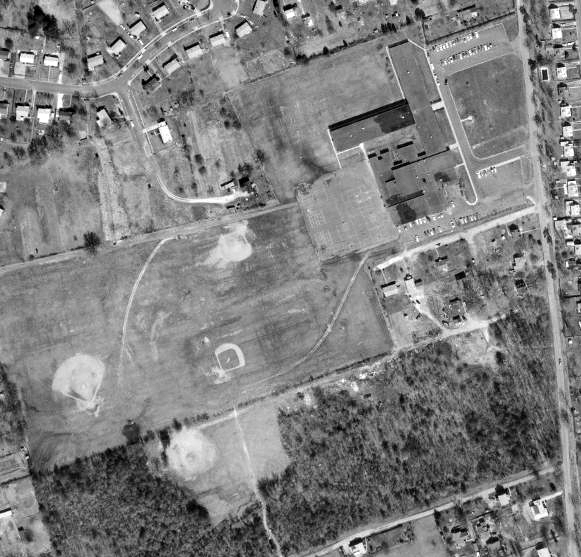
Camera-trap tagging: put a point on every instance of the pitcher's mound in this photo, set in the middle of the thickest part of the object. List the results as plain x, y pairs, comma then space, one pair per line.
190, 453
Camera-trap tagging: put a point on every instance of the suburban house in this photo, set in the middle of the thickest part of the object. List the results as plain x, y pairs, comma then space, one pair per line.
259, 7
117, 46
137, 28
26, 58
243, 29
159, 12
50, 60
94, 61
22, 112
193, 51
44, 115
218, 39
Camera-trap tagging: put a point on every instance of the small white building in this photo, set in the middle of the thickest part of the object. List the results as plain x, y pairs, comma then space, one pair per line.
543, 552
568, 151
4, 109
164, 133
44, 115
137, 29
572, 188
561, 72
117, 46
159, 12
51, 60
26, 58
243, 29
259, 7
555, 13
218, 39
94, 61
556, 33
6, 513
22, 112
193, 51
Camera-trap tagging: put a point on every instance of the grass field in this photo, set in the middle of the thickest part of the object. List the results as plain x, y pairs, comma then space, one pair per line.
49, 206
287, 115
492, 94
427, 542
258, 286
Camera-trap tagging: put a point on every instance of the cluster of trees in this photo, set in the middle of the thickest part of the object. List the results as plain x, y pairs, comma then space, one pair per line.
11, 417
433, 424
111, 504
52, 140
39, 20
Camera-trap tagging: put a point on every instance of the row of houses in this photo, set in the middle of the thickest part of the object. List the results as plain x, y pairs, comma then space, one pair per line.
29, 58
567, 72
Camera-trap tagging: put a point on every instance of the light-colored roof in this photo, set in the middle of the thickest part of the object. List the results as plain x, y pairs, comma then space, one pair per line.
26, 57
171, 65
117, 46
259, 7
137, 28
22, 111
51, 60
159, 12
95, 60
218, 39
44, 115
194, 50
165, 133
243, 29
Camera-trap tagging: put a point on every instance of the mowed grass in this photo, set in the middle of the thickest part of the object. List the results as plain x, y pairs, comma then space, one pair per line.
287, 115
427, 542
274, 305
493, 95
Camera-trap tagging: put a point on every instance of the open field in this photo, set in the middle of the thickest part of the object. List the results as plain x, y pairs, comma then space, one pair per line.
490, 100
257, 285
49, 206
427, 541
287, 115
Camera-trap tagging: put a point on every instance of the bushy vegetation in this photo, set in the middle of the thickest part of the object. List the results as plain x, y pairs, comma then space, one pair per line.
112, 505
11, 417
52, 140
39, 20
434, 424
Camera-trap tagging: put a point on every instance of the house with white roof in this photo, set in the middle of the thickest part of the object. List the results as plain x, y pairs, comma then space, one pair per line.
259, 7
117, 46
194, 51
94, 61
218, 39
159, 12
243, 29
137, 28
22, 112
44, 115
26, 58
50, 60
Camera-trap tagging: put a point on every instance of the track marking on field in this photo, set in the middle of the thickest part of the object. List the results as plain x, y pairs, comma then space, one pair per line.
259, 496
132, 296
326, 332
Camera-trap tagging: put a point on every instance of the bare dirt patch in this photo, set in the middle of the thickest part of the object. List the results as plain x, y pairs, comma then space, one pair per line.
111, 9
232, 247
190, 453
80, 378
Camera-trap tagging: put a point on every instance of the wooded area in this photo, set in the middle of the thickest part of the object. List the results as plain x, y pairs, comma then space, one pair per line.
111, 504
434, 424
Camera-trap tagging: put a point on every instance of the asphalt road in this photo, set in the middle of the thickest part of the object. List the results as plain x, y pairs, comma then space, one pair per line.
566, 433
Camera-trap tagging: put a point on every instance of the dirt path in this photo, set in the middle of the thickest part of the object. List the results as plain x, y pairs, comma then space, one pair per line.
130, 302
259, 496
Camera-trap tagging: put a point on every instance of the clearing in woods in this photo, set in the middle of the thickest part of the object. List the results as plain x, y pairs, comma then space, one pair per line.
258, 286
